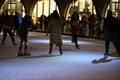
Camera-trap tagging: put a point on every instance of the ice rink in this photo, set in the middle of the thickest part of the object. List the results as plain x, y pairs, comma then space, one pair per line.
86, 63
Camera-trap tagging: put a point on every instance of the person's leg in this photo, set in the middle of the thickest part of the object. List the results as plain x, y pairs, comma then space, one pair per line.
92, 32
116, 42
11, 36
72, 39
118, 35
20, 53
60, 49
21, 45
76, 43
25, 46
51, 46
83, 32
107, 43
4, 36
25, 49
25, 43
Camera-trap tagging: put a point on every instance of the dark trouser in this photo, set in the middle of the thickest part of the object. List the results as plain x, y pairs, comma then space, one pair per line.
60, 48
83, 32
5, 31
111, 36
23, 43
91, 31
74, 37
118, 36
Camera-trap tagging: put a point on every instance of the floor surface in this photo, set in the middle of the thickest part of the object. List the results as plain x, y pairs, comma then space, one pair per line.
86, 63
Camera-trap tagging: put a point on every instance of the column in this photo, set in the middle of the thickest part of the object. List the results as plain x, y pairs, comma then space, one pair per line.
49, 7
43, 16
119, 8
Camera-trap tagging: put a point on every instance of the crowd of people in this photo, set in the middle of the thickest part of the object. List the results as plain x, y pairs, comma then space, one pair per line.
16, 25
85, 22
107, 28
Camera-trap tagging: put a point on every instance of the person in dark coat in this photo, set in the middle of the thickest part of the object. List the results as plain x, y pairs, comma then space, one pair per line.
109, 28
23, 33
118, 30
15, 24
92, 22
7, 29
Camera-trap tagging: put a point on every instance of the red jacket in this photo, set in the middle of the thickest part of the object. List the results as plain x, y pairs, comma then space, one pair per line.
75, 29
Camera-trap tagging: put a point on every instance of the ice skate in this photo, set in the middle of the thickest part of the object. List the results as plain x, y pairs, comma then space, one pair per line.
20, 53
26, 53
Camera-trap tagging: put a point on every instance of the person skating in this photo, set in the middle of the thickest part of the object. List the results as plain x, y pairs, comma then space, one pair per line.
23, 33
7, 29
109, 29
54, 28
75, 31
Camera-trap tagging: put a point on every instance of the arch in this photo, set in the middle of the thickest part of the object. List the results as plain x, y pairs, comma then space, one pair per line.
45, 7
83, 7
101, 9
105, 8
67, 6
29, 7
1, 2
12, 6
64, 7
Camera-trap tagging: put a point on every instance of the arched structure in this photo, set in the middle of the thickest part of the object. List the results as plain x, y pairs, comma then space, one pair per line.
63, 6
29, 5
101, 6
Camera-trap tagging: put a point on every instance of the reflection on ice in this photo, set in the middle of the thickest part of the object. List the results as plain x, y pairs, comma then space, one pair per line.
46, 41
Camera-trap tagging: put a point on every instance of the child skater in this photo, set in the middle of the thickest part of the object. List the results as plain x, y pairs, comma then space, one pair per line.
75, 32
23, 33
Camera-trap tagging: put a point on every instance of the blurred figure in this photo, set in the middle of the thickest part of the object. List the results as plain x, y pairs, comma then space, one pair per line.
54, 28
20, 18
43, 20
109, 28
75, 31
98, 30
7, 28
34, 23
92, 22
74, 18
15, 24
23, 33
118, 30
84, 23
49, 18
